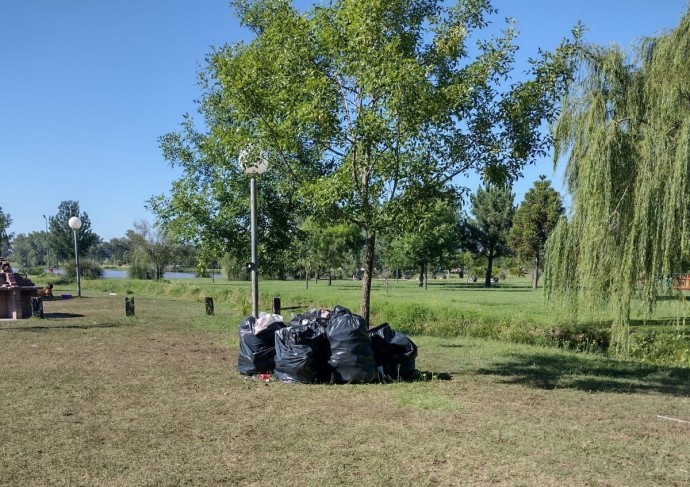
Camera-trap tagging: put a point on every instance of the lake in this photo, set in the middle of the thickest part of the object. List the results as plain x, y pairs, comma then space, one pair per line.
119, 274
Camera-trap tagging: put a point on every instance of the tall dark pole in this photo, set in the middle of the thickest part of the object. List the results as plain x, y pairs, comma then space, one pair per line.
75, 224
253, 163
255, 259
47, 243
76, 254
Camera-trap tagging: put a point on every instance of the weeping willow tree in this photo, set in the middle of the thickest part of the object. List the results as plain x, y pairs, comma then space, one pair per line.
624, 131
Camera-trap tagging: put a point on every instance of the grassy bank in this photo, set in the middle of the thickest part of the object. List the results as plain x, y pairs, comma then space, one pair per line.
90, 397
511, 311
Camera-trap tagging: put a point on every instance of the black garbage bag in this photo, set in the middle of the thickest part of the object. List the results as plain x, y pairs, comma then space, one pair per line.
257, 352
393, 351
311, 317
352, 357
302, 354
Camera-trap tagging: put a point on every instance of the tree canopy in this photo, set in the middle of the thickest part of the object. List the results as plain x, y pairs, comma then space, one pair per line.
624, 131
5, 238
434, 235
534, 220
364, 107
151, 250
61, 235
487, 233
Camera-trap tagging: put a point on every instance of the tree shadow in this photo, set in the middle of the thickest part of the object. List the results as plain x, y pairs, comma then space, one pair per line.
60, 316
46, 328
505, 287
667, 297
546, 371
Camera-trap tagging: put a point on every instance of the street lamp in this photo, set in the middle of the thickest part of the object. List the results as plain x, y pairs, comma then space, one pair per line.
48, 249
75, 224
253, 162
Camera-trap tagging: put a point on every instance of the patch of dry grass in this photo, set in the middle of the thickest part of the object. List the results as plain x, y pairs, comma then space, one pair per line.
89, 397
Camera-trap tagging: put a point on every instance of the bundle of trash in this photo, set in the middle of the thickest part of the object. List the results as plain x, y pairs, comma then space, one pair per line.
322, 346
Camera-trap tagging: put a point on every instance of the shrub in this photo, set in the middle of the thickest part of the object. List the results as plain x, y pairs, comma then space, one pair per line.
139, 270
36, 271
89, 270
668, 347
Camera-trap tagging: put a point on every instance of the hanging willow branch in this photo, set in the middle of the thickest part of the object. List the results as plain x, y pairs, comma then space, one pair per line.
628, 177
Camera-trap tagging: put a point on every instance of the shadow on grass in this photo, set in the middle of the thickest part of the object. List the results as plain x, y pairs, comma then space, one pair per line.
46, 328
546, 371
61, 316
506, 288
673, 298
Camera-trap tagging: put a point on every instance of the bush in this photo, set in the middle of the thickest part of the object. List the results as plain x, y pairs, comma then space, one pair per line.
139, 270
36, 271
89, 270
669, 347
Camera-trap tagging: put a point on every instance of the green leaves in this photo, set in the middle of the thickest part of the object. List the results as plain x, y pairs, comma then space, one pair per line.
5, 222
624, 130
487, 233
365, 106
61, 235
534, 220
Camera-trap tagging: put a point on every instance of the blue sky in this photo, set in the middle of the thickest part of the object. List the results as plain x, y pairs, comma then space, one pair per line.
88, 86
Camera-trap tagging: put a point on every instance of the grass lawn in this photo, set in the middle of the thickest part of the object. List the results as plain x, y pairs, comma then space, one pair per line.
89, 397
511, 311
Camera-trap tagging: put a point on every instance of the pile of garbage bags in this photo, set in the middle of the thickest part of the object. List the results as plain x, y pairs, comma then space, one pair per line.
322, 346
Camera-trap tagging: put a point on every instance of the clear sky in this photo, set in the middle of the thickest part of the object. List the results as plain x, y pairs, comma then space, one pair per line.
88, 86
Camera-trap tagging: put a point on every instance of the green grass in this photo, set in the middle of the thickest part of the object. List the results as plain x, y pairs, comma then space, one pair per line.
510, 312
91, 397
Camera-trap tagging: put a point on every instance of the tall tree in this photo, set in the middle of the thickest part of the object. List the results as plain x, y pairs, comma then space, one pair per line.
23, 252
151, 248
116, 251
329, 247
361, 102
534, 220
625, 130
487, 233
5, 238
30, 250
428, 238
61, 235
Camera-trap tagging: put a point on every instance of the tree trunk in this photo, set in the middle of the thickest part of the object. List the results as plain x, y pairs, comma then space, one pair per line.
306, 277
489, 267
368, 274
535, 273
421, 274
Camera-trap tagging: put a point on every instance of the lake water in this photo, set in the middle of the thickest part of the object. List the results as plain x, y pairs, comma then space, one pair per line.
118, 274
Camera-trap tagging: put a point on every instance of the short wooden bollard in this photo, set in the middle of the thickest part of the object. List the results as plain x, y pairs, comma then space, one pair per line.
36, 307
129, 306
209, 306
276, 305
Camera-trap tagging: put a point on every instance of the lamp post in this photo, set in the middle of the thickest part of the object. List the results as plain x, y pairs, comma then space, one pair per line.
48, 249
75, 224
253, 162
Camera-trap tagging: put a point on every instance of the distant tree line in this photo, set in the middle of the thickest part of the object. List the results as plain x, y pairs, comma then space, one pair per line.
445, 239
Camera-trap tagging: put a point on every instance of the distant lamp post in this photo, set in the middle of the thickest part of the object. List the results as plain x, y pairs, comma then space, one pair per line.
75, 224
48, 249
253, 162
